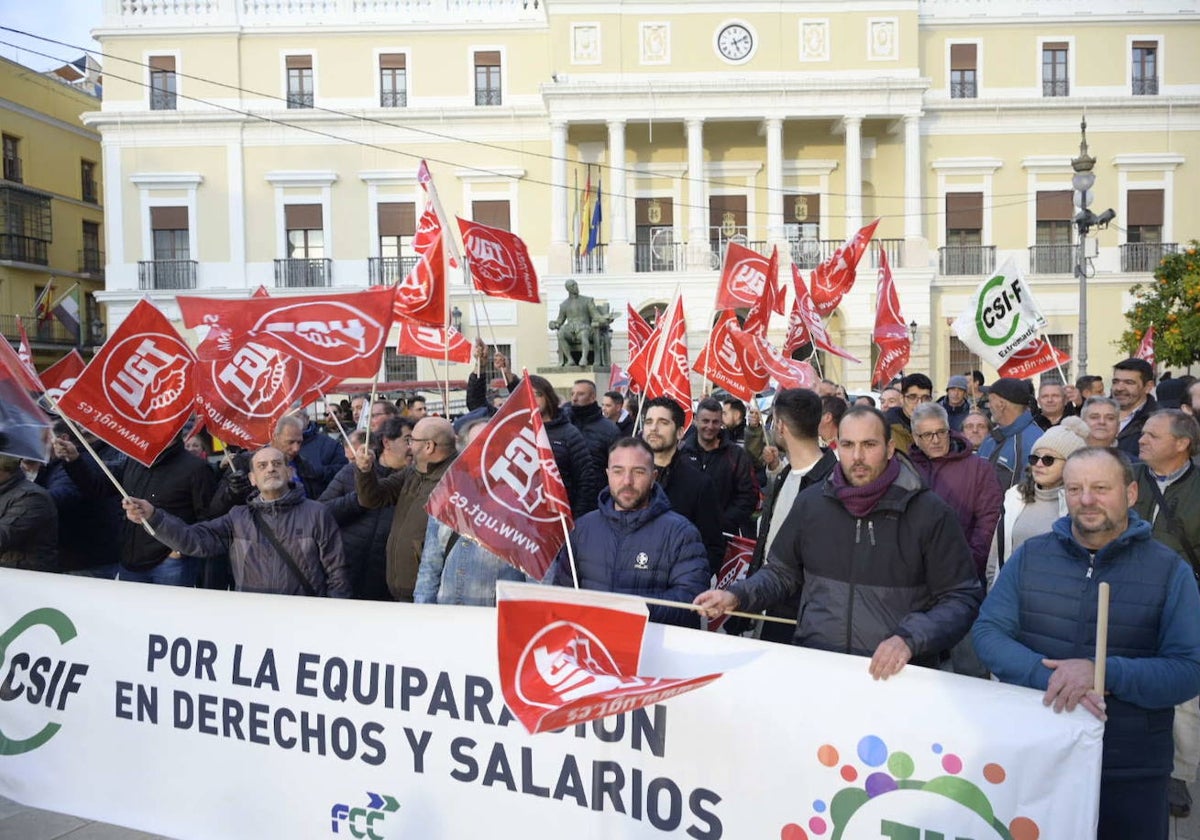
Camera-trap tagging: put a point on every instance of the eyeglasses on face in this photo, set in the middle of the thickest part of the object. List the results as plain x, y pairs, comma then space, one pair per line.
912, 398
930, 437
1047, 460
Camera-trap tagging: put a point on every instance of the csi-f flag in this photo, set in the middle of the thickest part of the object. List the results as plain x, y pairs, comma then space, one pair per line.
1001, 317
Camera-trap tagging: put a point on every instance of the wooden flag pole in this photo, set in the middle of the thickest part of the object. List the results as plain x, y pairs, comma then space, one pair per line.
367, 408
686, 606
1101, 637
341, 428
570, 551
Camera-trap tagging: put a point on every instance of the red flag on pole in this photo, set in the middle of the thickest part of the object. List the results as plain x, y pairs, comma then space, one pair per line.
432, 342
24, 427
342, 334
789, 373
1146, 348
834, 277
639, 330
771, 299
138, 391
499, 261
421, 295
33, 382
808, 314
891, 331
567, 656
62, 375
743, 276
662, 364
739, 552
725, 363
1035, 357
504, 490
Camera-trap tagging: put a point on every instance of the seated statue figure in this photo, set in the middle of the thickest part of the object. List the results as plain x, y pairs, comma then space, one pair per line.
577, 317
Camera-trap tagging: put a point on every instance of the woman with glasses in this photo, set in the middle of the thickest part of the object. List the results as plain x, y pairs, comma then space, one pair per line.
1032, 506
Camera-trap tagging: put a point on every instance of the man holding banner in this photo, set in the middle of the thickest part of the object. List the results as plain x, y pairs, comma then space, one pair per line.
885, 568
1039, 625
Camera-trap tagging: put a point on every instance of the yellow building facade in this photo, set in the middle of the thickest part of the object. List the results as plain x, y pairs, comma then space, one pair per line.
277, 143
51, 216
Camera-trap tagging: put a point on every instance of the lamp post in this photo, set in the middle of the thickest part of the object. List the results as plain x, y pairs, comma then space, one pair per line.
1082, 183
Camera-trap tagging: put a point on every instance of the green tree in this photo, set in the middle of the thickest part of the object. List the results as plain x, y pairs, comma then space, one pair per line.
1172, 305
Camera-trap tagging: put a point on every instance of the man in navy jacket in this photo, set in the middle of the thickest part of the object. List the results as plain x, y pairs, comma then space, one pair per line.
1037, 628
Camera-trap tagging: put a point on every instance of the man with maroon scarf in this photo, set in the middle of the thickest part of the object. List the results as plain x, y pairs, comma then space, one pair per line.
885, 568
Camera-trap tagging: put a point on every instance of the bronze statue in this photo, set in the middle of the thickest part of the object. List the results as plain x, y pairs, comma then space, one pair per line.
577, 318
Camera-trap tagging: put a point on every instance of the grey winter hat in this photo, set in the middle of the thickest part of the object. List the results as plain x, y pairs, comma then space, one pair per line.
959, 382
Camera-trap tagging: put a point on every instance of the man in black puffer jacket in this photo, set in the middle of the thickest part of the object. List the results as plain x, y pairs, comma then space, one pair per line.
586, 415
28, 521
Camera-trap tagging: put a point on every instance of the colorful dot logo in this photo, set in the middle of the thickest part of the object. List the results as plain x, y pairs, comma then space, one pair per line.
882, 799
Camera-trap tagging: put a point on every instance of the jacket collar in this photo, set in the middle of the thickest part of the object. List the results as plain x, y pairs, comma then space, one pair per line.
1138, 530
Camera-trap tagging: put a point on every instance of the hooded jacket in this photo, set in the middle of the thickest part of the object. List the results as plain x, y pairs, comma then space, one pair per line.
651, 551
28, 526
904, 569
1044, 606
968, 484
303, 527
408, 489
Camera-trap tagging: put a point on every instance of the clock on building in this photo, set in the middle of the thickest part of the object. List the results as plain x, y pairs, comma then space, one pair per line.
735, 42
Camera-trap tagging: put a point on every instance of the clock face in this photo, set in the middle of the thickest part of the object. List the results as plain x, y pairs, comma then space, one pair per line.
735, 42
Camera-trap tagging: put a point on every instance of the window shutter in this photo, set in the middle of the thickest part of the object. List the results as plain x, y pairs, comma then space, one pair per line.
964, 211
1144, 207
299, 62
391, 61
494, 213
397, 219
168, 218
1055, 206
302, 216
962, 56
489, 58
165, 63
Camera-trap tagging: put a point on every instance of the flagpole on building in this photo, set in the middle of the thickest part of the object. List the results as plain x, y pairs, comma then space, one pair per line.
567, 542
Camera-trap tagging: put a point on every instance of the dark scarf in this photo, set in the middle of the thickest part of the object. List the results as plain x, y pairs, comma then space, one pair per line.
860, 501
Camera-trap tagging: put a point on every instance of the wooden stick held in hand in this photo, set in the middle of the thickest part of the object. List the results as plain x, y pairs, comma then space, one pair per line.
1101, 637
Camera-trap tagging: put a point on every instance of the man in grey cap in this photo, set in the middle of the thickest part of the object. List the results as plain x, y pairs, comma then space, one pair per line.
955, 402
1014, 434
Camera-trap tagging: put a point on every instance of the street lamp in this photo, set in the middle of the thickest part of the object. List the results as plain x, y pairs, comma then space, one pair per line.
1085, 220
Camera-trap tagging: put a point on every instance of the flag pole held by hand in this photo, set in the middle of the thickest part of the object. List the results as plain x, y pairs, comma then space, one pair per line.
566, 538
687, 606
1101, 637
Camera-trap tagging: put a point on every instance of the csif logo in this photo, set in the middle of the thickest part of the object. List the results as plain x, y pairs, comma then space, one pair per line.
363, 822
41, 681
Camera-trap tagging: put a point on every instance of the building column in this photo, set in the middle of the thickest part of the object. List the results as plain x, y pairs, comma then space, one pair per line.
853, 127
558, 180
698, 250
617, 189
774, 129
916, 246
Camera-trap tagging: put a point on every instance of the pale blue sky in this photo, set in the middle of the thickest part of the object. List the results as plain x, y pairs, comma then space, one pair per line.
64, 20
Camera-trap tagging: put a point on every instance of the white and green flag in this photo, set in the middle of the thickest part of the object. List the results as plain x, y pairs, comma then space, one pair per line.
1001, 317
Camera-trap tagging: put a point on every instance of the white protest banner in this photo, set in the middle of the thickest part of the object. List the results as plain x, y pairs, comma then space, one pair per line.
203, 714
1001, 317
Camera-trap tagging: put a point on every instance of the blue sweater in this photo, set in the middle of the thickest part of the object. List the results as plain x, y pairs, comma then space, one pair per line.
653, 552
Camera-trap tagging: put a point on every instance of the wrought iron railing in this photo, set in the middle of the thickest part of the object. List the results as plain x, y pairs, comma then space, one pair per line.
487, 96
387, 271
24, 249
963, 90
658, 256
590, 263
393, 99
1145, 256
970, 260
91, 262
1145, 87
1056, 87
1052, 259
303, 273
166, 274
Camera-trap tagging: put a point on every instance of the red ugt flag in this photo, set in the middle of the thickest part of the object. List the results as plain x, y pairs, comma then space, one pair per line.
834, 277
499, 260
1035, 357
62, 375
433, 342
739, 552
1146, 348
743, 276
25, 354
568, 656
137, 392
891, 332
421, 295
664, 371
725, 363
504, 490
806, 312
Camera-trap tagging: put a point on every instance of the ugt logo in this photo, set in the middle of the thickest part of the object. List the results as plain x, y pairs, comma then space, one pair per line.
361, 821
44, 681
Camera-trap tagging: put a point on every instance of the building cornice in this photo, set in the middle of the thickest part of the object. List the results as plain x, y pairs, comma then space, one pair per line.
301, 178
167, 180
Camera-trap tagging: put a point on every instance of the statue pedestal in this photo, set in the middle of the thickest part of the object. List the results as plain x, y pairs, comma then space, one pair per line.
562, 378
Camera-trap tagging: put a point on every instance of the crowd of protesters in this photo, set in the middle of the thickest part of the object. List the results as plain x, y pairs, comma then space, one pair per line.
960, 530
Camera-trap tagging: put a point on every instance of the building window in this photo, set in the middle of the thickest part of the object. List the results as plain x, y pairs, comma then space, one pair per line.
162, 83
493, 213
91, 260
963, 71
1145, 68
393, 80
487, 78
26, 227
397, 226
299, 81
398, 368
87, 177
1054, 69
1053, 253
802, 226
964, 252
169, 227
962, 359
12, 159
726, 223
655, 248
305, 232
1144, 247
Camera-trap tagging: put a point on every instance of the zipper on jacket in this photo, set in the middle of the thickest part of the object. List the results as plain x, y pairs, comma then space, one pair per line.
1091, 565
853, 560
857, 531
871, 532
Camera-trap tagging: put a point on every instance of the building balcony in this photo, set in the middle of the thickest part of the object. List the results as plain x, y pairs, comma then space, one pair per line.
385, 271
303, 273
91, 262
487, 96
12, 170
590, 263
24, 249
45, 331
967, 260
658, 256
894, 248
393, 99
963, 90
296, 99
1052, 259
166, 274
1056, 87
1145, 256
1145, 87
